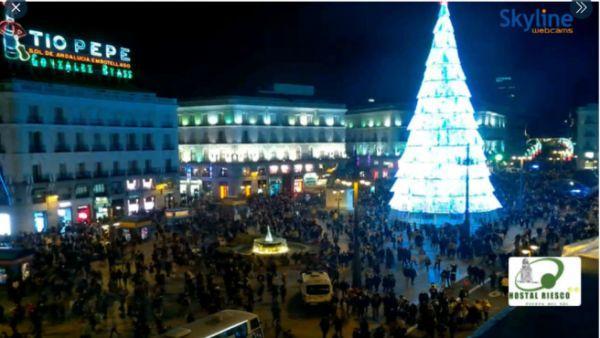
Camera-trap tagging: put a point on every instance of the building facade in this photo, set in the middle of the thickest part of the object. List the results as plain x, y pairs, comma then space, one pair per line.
79, 154
376, 136
586, 140
235, 146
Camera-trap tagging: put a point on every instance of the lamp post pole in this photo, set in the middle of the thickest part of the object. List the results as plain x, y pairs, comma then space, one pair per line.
356, 266
467, 223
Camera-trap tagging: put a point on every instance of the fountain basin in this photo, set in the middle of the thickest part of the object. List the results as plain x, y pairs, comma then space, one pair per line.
275, 246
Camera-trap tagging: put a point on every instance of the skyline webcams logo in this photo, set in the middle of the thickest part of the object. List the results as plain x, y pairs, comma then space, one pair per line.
538, 22
544, 281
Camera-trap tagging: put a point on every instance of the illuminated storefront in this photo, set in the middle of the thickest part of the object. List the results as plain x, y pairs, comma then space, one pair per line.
40, 221
5, 224
133, 206
101, 206
149, 203
84, 214
64, 213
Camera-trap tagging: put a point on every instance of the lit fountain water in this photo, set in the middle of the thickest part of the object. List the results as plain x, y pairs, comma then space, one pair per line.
270, 245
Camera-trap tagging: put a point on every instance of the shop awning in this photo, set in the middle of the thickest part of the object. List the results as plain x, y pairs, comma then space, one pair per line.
178, 213
134, 222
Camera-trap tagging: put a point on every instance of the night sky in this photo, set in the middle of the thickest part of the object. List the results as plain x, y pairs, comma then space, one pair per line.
349, 51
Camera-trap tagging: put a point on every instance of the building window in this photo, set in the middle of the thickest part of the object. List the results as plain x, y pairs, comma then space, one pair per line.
221, 138
38, 195
115, 143
62, 169
148, 142
167, 145
35, 142
99, 171
116, 170
99, 188
133, 167
61, 142
131, 142
81, 191
36, 172
80, 142
59, 116
34, 115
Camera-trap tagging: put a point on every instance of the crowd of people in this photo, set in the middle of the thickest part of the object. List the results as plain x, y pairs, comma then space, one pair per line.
133, 288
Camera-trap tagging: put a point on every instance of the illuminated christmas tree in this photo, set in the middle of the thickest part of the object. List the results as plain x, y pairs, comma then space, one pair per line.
432, 174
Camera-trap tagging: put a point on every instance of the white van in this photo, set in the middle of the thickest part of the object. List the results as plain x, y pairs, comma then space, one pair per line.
224, 324
316, 288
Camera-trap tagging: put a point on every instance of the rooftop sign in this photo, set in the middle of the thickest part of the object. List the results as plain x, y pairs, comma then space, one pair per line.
43, 50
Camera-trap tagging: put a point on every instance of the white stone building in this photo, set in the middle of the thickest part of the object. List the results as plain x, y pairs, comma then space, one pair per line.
376, 136
78, 154
238, 145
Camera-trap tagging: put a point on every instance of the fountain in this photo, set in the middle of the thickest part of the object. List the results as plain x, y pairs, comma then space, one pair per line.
270, 245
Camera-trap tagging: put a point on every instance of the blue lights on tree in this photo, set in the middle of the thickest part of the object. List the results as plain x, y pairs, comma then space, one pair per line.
431, 178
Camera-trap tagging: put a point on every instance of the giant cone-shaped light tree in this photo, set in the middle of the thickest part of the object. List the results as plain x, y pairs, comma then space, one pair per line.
432, 174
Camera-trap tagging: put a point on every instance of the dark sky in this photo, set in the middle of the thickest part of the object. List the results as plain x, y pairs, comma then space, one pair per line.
349, 51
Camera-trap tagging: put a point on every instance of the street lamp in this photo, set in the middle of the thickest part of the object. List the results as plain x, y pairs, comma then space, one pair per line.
356, 268
466, 228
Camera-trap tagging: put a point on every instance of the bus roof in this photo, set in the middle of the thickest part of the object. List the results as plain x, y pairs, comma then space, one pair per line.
211, 324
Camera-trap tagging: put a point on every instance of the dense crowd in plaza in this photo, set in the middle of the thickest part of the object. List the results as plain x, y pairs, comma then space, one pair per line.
102, 279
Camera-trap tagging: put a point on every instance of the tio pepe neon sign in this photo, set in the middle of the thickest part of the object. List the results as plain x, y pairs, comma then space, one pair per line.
55, 52
79, 46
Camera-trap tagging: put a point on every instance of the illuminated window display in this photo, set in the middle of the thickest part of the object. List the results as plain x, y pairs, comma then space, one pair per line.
40, 221
84, 214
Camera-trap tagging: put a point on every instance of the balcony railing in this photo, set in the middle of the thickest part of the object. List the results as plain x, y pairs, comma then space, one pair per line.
134, 171
114, 123
34, 119
64, 177
99, 147
60, 120
62, 148
133, 147
82, 147
116, 147
151, 171
83, 175
117, 173
37, 149
148, 147
100, 173
171, 170
41, 178
168, 147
